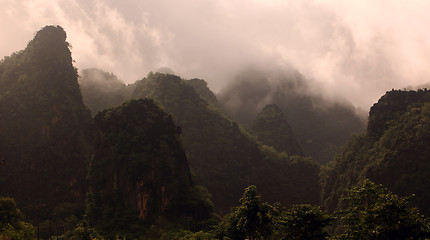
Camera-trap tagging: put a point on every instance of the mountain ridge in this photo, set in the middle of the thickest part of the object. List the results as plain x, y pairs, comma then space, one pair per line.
392, 152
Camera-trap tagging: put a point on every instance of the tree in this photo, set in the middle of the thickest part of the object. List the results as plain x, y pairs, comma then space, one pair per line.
82, 232
90, 209
303, 221
12, 225
250, 219
376, 213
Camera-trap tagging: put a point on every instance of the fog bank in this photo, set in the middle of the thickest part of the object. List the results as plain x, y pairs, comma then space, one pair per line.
353, 50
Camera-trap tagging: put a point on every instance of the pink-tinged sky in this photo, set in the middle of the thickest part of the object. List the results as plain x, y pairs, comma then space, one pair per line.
348, 49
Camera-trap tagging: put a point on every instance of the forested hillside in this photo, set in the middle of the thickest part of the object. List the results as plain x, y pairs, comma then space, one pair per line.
161, 159
394, 151
272, 128
43, 124
201, 87
224, 158
139, 172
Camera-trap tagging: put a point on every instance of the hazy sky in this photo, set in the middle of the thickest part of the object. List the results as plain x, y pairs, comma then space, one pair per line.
353, 49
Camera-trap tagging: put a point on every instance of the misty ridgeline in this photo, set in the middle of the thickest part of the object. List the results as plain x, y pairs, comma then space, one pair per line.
89, 157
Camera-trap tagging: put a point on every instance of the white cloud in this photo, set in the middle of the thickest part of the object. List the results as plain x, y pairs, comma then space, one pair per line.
353, 49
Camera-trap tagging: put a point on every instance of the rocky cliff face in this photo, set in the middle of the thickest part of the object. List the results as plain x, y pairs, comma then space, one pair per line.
43, 123
139, 164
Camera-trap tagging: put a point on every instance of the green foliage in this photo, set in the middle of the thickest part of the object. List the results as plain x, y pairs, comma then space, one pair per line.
168, 230
43, 124
197, 236
235, 159
187, 235
12, 225
376, 213
255, 220
303, 222
201, 87
83, 232
394, 151
8, 232
9, 213
372, 212
139, 173
90, 215
250, 219
210, 139
252, 215
390, 107
271, 128
291, 169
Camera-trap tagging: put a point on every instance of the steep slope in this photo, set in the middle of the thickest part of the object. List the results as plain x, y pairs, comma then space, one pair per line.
139, 169
321, 127
43, 123
201, 87
222, 156
271, 128
394, 150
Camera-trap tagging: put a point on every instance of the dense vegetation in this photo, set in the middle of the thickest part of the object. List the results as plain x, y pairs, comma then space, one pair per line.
139, 172
43, 124
12, 225
201, 87
134, 170
211, 140
218, 148
46, 147
370, 212
271, 128
394, 151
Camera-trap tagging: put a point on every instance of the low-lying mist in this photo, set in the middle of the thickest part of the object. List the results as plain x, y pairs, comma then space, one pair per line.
321, 124
255, 88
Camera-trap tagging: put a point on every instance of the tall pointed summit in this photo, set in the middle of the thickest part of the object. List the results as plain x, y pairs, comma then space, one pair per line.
43, 122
